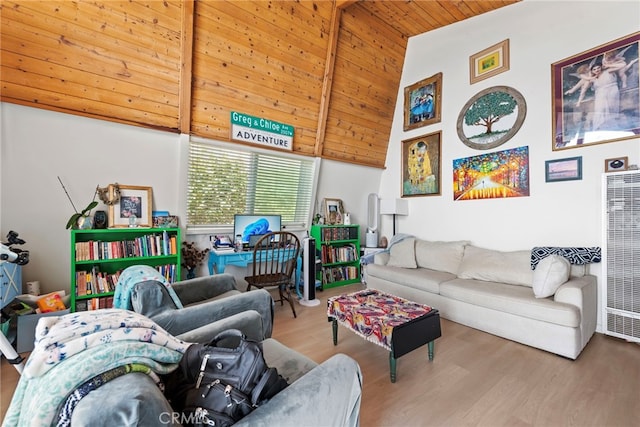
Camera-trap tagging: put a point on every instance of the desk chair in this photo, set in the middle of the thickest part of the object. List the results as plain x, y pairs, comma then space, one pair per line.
274, 263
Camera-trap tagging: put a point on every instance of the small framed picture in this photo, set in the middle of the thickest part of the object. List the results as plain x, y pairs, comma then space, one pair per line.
422, 102
569, 169
616, 165
489, 62
333, 211
133, 209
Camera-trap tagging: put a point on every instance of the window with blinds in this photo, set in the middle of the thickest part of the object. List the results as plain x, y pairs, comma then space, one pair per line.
223, 182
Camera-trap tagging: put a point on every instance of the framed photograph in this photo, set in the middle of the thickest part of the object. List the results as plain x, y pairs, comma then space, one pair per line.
499, 175
333, 211
133, 209
421, 165
489, 62
595, 95
616, 165
491, 117
569, 169
422, 101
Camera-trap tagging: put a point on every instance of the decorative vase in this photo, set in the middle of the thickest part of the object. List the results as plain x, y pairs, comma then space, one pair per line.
85, 223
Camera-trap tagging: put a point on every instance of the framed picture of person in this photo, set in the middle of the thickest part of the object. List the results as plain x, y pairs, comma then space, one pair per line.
333, 211
422, 102
133, 209
595, 95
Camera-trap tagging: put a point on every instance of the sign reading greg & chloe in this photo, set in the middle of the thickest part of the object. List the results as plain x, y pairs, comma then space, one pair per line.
260, 131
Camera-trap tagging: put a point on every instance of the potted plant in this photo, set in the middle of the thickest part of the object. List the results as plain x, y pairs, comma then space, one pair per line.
192, 257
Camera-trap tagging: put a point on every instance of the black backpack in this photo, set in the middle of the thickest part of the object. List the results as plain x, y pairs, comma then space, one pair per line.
222, 381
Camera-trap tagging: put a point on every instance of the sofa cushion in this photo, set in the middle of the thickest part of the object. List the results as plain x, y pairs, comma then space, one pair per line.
549, 274
517, 300
441, 256
403, 254
417, 278
513, 268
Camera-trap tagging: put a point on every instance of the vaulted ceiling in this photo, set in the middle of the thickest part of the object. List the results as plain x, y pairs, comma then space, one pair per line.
331, 69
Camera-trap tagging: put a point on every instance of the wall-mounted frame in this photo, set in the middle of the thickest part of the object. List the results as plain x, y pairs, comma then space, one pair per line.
133, 208
421, 162
617, 164
491, 117
569, 169
489, 62
498, 175
595, 95
333, 211
422, 102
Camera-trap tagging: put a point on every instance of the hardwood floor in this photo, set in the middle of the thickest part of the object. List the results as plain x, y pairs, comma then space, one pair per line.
475, 379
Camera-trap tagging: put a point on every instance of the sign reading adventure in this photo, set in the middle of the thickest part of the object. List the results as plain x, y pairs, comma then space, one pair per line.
259, 131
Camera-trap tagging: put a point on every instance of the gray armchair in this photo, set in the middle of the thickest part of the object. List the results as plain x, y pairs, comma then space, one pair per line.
211, 304
324, 394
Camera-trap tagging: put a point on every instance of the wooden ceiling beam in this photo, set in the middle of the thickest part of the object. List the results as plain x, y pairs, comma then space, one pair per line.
327, 80
186, 66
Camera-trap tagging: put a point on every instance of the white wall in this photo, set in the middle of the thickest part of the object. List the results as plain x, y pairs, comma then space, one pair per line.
39, 145
540, 33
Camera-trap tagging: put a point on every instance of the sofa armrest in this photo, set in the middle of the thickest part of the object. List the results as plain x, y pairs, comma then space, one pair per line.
178, 322
203, 288
329, 394
248, 322
381, 258
582, 292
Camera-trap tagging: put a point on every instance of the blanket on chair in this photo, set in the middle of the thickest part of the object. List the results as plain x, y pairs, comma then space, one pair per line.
74, 348
133, 275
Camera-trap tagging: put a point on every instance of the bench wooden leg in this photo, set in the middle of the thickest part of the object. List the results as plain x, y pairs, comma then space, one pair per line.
431, 347
392, 367
334, 327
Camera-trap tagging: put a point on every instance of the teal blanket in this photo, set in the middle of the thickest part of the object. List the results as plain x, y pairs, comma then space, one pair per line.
71, 349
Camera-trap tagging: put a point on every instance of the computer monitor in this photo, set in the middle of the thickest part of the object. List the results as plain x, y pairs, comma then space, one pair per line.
254, 225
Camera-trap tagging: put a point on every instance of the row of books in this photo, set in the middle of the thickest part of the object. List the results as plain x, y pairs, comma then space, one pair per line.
98, 282
337, 274
94, 304
332, 254
143, 246
95, 282
338, 233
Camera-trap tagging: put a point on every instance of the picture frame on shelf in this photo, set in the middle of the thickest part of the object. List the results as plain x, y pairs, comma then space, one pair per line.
617, 164
568, 169
422, 102
595, 95
421, 165
489, 62
491, 117
134, 207
333, 211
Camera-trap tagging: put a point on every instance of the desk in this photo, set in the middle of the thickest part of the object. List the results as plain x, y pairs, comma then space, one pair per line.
218, 261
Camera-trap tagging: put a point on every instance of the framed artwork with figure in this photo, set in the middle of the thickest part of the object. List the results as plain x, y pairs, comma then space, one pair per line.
422, 102
421, 162
595, 95
133, 209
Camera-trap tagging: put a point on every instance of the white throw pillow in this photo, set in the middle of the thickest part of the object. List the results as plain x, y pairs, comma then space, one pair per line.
403, 254
549, 274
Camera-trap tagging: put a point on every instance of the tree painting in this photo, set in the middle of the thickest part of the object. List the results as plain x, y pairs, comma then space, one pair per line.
489, 109
491, 117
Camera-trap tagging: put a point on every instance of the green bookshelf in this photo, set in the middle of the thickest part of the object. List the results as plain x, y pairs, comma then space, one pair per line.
339, 247
98, 256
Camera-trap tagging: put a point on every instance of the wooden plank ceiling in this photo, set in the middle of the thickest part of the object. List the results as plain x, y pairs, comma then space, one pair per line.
330, 69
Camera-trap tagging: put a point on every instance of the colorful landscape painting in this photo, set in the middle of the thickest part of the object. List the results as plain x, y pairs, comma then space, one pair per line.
491, 176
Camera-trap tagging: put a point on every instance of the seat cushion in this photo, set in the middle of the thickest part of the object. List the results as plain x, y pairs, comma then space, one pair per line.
518, 300
417, 278
289, 363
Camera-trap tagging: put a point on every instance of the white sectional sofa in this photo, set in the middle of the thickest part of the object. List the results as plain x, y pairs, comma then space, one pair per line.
552, 307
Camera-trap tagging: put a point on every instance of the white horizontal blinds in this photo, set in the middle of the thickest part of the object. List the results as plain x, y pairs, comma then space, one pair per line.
223, 182
623, 254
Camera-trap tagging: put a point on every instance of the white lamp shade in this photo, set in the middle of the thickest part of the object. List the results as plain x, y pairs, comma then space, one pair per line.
394, 206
